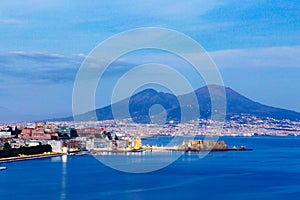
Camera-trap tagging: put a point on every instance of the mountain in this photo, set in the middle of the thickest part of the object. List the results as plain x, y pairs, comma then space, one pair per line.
6, 115
140, 103
238, 104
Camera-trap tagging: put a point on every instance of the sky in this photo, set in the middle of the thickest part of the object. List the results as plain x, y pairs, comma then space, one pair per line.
255, 44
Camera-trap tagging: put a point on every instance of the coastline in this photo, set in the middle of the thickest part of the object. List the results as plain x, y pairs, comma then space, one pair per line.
29, 157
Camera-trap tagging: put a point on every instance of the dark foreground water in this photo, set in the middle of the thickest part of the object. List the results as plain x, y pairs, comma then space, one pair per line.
270, 171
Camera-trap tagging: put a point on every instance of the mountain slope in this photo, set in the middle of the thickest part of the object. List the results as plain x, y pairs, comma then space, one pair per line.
237, 104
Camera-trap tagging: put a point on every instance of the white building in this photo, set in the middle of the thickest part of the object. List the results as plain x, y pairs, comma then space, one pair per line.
5, 134
90, 143
101, 143
56, 145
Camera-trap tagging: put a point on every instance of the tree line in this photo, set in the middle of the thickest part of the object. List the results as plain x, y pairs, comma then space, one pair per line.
12, 152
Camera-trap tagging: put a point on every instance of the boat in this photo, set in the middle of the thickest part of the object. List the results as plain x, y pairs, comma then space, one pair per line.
137, 150
3, 168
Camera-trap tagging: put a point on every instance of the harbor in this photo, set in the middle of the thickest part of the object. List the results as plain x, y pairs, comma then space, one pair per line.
137, 147
38, 141
186, 146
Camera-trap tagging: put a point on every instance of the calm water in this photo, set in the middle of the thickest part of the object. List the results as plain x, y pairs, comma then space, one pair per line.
270, 171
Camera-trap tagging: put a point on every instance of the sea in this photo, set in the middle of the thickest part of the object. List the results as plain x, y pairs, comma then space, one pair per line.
270, 171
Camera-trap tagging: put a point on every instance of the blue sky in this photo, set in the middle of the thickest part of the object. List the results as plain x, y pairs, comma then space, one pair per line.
255, 44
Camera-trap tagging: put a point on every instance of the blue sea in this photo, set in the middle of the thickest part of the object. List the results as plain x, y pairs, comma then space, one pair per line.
270, 171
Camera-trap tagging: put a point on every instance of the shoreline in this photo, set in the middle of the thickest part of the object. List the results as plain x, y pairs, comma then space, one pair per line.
29, 157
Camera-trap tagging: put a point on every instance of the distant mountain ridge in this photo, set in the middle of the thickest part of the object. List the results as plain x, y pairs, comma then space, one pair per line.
237, 104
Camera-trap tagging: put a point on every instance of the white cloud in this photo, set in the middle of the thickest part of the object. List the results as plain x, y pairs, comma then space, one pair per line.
11, 21
285, 56
43, 55
81, 55
20, 67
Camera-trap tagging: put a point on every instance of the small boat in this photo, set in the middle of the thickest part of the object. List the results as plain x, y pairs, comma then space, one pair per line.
3, 168
81, 153
137, 150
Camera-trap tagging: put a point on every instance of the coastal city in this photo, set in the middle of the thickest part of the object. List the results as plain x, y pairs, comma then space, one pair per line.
143, 100
82, 137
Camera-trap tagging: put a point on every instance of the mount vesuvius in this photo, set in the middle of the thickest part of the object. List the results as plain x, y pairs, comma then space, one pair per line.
237, 104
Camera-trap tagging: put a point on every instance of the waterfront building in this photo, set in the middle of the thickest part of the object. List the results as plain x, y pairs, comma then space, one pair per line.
122, 143
89, 143
203, 145
36, 133
81, 142
56, 145
72, 145
101, 143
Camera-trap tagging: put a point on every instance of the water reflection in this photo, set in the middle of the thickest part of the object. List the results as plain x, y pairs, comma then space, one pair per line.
138, 162
64, 159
